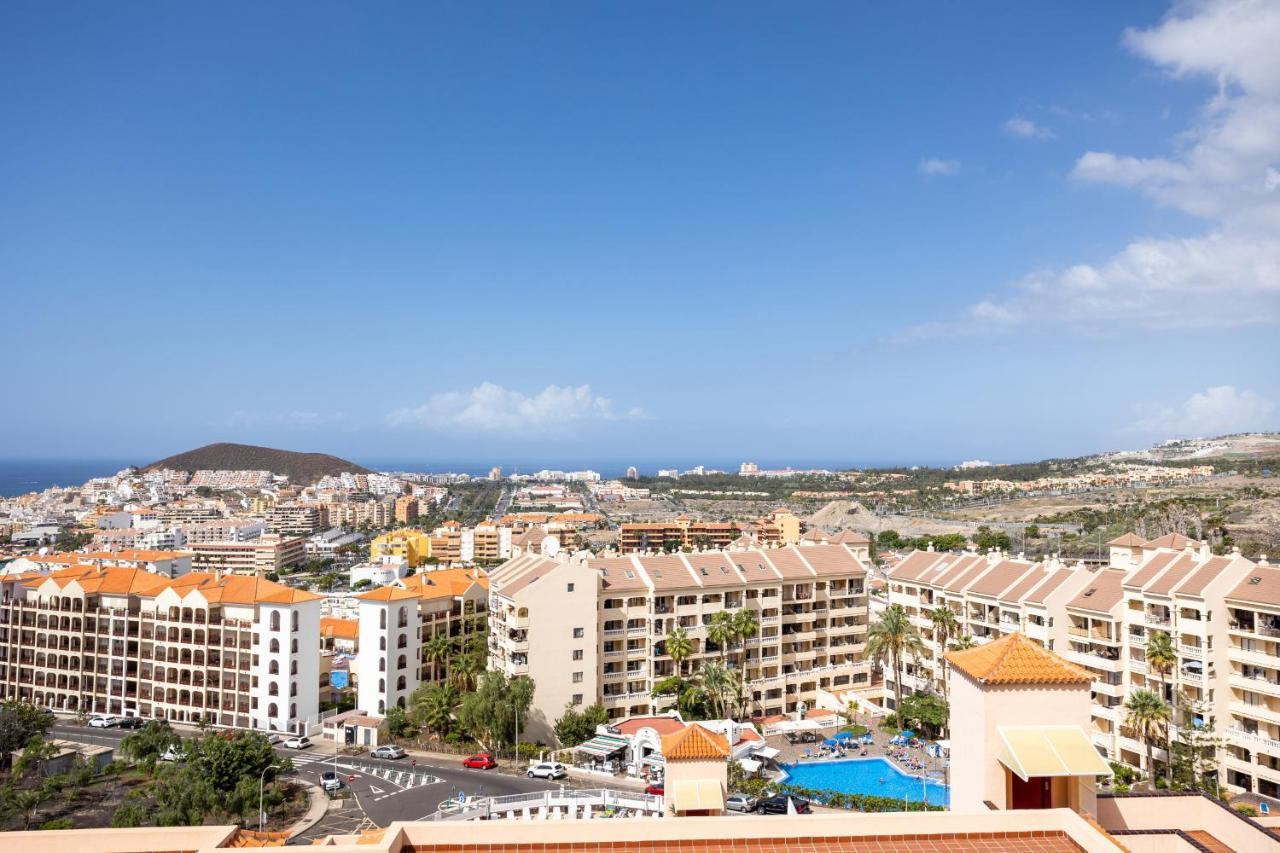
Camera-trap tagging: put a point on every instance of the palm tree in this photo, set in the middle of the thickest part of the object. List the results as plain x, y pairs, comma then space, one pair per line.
892, 637
1146, 715
432, 705
719, 684
944, 626
678, 645
745, 626
965, 642
437, 650
720, 631
466, 667
1162, 658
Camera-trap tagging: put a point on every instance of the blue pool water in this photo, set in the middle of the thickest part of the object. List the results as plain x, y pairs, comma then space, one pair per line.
875, 776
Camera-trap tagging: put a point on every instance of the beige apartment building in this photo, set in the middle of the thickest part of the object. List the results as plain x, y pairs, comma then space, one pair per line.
293, 519
1216, 610
355, 514
267, 553
592, 629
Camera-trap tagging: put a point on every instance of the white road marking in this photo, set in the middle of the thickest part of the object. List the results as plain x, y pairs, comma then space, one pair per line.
374, 789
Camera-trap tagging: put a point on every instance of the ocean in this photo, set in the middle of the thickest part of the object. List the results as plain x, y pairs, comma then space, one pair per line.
19, 476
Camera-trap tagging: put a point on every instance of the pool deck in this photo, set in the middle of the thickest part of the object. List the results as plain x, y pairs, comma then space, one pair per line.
935, 768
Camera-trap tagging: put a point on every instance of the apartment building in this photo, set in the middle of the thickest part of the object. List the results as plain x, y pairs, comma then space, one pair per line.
224, 530
396, 622
236, 651
190, 512
355, 514
293, 519
593, 629
409, 545
680, 534
1103, 620
406, 509
780, 527
267, 553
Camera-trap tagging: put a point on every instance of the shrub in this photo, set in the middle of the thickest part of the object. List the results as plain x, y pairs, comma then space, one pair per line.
58, 823
1121, 788
1247, 811
528, 751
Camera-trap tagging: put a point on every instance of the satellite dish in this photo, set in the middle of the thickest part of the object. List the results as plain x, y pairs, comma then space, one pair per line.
550, 546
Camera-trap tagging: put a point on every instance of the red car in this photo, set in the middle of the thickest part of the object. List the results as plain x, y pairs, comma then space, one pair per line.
480, 761
658, 790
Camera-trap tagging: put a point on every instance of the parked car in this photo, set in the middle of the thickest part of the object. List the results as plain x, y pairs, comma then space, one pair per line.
330, 781
132, 722
744, 803
297, 743
390, 751
778, 805
173, 753
548, 770
103, 722
273, 738
480, 761
658, 789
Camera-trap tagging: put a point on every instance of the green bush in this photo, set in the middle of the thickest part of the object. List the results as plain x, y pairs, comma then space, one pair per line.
528, 751
1247, 811
59, 823
855, 730
1122, 788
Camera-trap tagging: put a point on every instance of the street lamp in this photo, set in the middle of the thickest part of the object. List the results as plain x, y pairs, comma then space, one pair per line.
262, 779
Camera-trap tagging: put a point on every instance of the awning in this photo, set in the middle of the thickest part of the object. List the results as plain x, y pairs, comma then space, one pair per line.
698, 795
766, 753
603, 745
1049, 751
749, 765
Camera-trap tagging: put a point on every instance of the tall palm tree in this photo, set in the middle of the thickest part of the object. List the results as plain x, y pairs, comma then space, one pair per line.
433, 705
891, 637
945, 626
720, 630
437, 650
678, 645
962, 643
719, 685
1146, 715
466, 667
1161, 659
745, 626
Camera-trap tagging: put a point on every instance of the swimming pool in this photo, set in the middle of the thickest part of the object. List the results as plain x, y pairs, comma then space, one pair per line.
874, 776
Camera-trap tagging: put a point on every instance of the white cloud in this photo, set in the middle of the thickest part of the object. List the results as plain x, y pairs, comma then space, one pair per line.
1220, 410
934, 166
492, 408
1025, 128
1225, 170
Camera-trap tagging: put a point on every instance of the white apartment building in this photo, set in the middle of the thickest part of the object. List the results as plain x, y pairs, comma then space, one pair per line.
396, 622
1215, 609
592, 629
235, 651
224, 530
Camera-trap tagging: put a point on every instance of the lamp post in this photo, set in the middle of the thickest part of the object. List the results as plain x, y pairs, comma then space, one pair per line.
262, 779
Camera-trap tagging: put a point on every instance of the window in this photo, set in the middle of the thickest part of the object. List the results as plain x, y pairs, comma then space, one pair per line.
293, 710
577, 698
568, 587
404, 617
275, 620
272, 710
577, 654
293, 667
382, 665
382, 686
293, 646
382, 644
273, 668
577, 633
293, 621
400, 662
272, 689
293, 689
402, 642
382, 619
275, 646
577, 678
400, 682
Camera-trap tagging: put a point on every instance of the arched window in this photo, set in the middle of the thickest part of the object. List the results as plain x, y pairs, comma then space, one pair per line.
273, 710
273, 690
382, 644
404, 641
382, 685
382, 665
400, 683
382, 707
293, 710
293, 667
382, 619
293, 689
275, 620
293, 621
293, 646
275, 646
400, 662
273, 668
404, 617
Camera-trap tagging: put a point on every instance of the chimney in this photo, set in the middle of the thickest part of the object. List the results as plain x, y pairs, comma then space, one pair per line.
1205, 551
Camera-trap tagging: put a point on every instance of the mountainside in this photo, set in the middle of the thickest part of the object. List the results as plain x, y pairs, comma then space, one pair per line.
298, 467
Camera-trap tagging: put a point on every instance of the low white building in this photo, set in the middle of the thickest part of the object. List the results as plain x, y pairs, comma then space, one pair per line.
380, 573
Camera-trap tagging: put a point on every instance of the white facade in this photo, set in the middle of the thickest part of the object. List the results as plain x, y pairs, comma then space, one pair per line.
287, 671
390, 651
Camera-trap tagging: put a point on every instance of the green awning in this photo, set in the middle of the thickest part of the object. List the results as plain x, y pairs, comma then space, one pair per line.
603, 745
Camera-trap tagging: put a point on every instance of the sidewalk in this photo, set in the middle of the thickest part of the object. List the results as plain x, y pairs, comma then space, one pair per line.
316, 810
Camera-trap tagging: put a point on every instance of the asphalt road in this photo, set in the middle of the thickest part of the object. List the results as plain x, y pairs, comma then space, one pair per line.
399, 793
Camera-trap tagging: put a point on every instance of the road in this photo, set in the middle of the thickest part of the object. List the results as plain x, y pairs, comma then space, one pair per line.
374, 799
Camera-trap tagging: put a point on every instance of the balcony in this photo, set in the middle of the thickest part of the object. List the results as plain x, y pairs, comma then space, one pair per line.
1257, 712
1156, 621
1136, 665
1197, 652
1256, 683
1095, 661
1103, 712
1252, 656
1254, 738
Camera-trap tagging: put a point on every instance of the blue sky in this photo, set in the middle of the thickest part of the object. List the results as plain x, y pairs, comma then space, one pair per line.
582, 231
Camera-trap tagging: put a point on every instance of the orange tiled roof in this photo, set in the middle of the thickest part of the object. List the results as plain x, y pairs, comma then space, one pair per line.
663, 725
387, 593
1013, 659
1129, 540
342, 629
693, 742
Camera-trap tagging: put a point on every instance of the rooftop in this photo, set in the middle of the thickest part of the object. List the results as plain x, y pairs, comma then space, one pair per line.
1013, 659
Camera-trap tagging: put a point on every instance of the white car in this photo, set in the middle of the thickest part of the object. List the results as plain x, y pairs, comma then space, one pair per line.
330, 781
172, 753
103, 722
548, 770
297, 743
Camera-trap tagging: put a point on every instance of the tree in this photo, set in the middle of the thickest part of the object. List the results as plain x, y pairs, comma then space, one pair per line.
1146, 715
146, 745
745, 626
490, 714
438, 649
721, 631
891, 637
987, 538
19, 722
396, 721
945, 626
678, 645
433, 706
720, 686
1193, 754
925, 711
465, 668
363, 583
965, 642
575, 726
1162, 658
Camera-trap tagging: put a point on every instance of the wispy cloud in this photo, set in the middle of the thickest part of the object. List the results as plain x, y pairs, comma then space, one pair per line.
1025, 128
300, 419
1222, 170
1220, 410
491, 408
934, 166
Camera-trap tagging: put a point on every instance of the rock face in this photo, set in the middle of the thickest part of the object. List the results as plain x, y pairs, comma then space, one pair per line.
298, 467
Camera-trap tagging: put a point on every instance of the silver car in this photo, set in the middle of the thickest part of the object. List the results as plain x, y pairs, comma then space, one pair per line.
387, 752
744, 803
